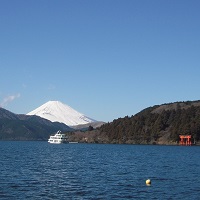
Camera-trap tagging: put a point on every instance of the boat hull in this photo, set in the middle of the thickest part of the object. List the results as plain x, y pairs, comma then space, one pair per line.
57, 142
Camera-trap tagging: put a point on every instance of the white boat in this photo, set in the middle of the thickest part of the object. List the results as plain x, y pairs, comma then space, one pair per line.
58, 138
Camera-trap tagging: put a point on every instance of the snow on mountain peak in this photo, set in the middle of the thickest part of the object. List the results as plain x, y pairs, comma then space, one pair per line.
56, 111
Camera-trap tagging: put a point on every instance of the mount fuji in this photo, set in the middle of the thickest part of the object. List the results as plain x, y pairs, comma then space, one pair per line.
56, 111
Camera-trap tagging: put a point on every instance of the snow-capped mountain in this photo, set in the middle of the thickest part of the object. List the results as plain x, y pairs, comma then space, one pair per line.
56, 111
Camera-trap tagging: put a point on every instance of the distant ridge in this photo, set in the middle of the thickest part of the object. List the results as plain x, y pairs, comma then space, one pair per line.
27, 127
56, 111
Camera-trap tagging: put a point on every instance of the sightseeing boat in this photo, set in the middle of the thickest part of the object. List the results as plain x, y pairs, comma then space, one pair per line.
58, 138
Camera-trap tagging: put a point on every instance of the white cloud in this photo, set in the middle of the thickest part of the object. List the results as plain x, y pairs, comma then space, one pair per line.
9, 99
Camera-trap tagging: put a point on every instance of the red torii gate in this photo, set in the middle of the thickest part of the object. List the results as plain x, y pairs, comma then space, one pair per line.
185, 140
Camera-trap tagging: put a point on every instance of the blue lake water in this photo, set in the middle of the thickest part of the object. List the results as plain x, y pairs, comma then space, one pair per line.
39, 170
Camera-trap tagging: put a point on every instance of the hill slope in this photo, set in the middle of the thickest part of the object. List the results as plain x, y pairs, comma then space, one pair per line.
156, 125
22, 127
56, 111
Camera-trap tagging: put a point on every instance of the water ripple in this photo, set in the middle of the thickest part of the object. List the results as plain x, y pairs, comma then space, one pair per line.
38, 170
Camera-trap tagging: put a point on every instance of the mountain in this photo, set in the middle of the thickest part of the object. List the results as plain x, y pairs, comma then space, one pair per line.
23, 127
159, 124
55, 111
84, 127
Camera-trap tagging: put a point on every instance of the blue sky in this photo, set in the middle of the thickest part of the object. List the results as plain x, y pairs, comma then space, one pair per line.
104, 58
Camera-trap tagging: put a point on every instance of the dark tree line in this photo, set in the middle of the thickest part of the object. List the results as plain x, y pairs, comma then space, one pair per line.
149, 125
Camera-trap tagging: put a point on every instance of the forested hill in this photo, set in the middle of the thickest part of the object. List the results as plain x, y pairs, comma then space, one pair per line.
160, 124
23, 127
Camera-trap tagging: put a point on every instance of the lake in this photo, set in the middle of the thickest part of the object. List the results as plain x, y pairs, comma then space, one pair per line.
39, 170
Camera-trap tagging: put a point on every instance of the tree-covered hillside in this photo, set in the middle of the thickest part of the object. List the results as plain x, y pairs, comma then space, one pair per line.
23, 127
156, 125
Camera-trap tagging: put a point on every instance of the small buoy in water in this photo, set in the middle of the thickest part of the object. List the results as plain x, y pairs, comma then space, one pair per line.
148, 182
